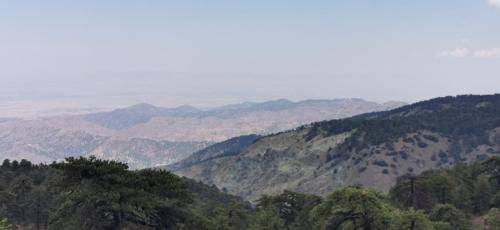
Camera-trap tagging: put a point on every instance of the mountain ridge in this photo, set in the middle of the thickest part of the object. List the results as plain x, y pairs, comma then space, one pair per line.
370, 149
146, 111
167, 135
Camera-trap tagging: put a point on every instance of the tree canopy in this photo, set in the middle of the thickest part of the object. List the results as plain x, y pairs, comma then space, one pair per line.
88, 193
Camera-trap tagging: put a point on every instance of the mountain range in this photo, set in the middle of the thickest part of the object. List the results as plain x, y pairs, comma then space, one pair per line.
144, 135
371, 149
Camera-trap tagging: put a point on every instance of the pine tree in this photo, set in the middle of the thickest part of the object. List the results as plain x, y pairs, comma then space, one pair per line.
412, 191
412, 220
446, 213
267, 220
482, 194
353, 208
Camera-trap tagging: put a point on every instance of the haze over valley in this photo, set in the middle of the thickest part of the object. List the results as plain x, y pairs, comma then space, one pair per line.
146, 136
250, 115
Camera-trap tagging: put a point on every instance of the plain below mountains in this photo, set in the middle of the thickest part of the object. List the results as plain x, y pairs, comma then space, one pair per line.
144, 135
371, 149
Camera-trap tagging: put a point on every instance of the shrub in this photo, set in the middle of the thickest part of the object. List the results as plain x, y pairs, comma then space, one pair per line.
380, 163
4, 224
449, 214
431, 138
493, 219
422, 144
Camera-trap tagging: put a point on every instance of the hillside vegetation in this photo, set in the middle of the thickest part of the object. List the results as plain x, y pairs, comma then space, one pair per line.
370, 149
87, 193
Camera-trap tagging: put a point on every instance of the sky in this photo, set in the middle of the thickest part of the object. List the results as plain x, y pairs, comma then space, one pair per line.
207, 53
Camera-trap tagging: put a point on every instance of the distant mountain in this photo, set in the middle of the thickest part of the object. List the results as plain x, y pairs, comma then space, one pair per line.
137, 114
248, 107
143, 113
370, 149
144, 135
219, 124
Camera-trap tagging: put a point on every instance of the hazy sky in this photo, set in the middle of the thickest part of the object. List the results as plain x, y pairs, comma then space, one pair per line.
212, 52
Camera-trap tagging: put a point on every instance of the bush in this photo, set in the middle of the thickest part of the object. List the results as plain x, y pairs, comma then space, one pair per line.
431, 138
495, 201
449, 214
422, 144
403, 155
4, 224
380, 163
493, 219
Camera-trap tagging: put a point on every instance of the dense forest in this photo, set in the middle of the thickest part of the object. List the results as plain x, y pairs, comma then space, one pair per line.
88, 193
467, 119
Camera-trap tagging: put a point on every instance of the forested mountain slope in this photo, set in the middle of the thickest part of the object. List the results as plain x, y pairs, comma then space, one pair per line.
371, 149
88, 193
226, 148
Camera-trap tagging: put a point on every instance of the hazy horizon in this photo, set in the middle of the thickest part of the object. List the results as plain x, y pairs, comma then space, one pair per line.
96, 54
73, 106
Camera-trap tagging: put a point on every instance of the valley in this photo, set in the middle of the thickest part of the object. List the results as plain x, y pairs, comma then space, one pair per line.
147, 136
